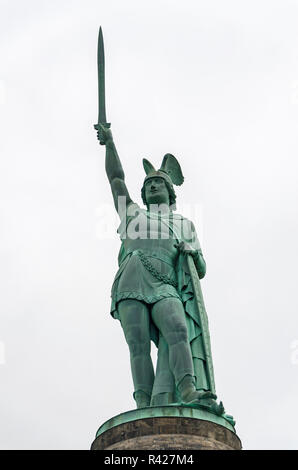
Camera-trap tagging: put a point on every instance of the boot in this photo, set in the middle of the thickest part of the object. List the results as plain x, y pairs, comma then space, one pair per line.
188, 392
142, 399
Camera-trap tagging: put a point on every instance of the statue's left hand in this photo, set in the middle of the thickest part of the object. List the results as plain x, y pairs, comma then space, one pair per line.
186, 249
196, 255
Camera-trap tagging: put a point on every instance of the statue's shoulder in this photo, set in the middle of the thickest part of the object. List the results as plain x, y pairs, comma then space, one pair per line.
180, 217
185, 229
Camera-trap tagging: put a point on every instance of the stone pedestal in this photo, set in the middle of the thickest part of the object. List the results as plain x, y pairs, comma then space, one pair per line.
169, 427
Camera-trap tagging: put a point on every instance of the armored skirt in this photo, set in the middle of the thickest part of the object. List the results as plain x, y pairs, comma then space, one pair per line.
142, 276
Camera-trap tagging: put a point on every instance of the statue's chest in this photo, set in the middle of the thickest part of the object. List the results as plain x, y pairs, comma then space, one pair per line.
150, 228
150, 234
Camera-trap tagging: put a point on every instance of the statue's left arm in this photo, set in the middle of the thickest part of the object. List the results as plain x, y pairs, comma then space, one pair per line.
200, 263
197, 256
192, 247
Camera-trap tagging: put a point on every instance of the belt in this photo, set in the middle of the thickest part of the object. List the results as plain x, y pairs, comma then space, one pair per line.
151, 254
144, 257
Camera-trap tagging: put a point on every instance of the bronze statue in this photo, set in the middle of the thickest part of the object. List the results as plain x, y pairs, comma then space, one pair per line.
156, 293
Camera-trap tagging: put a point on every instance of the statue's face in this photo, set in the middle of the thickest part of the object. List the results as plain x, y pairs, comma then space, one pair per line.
156, 191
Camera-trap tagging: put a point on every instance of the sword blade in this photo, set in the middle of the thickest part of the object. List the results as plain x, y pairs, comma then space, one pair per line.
101, 79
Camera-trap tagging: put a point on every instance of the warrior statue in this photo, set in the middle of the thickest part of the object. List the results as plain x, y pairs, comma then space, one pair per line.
156, 293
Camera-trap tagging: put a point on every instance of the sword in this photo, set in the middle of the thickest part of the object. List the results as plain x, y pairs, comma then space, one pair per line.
101, 85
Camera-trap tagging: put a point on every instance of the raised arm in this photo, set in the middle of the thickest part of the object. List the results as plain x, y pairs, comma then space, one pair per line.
114, 168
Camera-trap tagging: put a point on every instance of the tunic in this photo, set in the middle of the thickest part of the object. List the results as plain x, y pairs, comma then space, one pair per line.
150, 233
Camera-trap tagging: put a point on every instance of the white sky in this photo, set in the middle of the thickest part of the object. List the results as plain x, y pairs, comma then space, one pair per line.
216, 84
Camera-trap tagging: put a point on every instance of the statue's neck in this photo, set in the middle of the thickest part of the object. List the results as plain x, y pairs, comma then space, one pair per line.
162, 209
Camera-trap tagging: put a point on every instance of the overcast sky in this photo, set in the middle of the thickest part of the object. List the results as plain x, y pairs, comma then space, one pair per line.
216, 84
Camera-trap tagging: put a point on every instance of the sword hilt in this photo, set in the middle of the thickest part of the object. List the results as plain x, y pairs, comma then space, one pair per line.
105, 124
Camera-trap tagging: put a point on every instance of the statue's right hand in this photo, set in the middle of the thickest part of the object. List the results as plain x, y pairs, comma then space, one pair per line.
104, 134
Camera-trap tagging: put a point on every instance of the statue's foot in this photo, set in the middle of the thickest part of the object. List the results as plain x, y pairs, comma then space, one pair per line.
188, 392
194, 396
213, 405
142, 399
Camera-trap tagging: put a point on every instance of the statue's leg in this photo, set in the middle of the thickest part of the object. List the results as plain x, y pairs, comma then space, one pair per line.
164, 387
169, 317
135, 321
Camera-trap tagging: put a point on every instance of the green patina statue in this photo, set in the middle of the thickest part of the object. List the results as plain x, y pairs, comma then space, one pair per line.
156, 293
